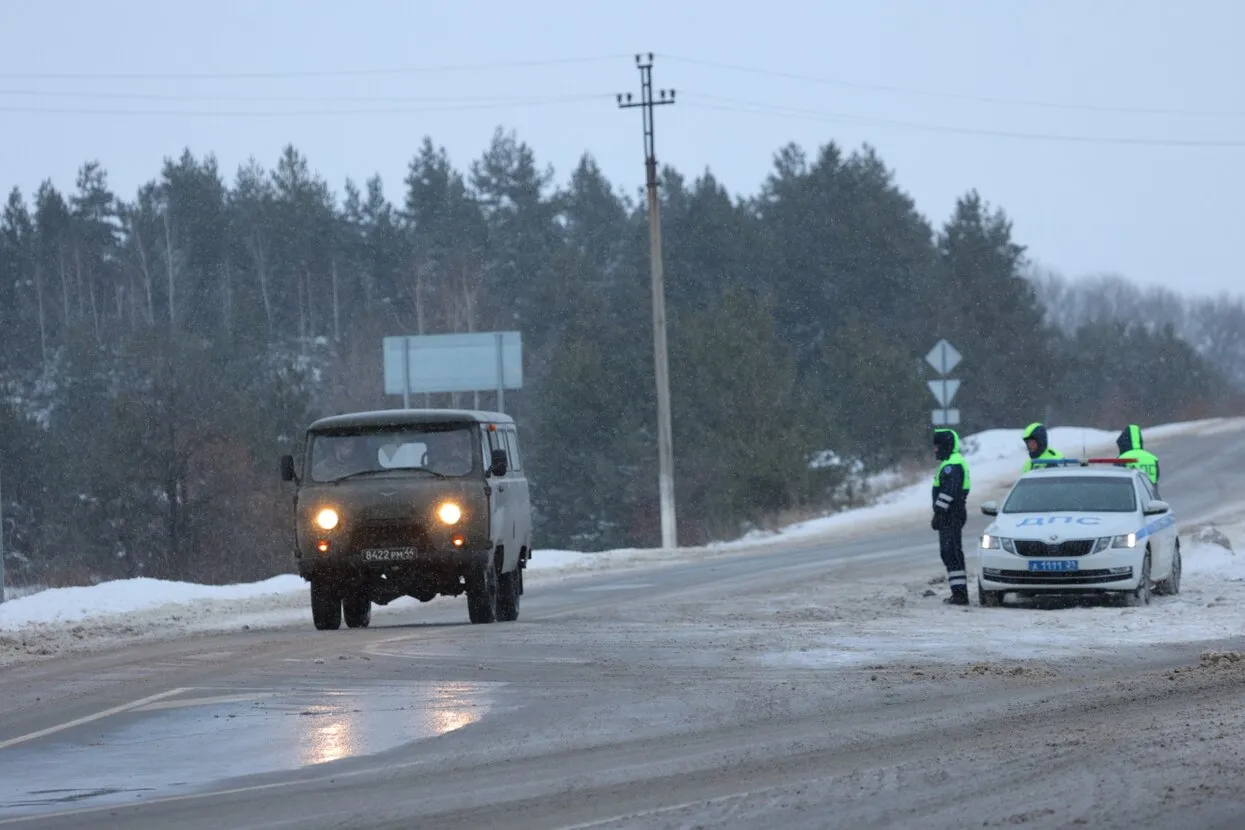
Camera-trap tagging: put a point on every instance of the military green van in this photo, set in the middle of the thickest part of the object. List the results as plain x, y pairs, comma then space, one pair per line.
411, 502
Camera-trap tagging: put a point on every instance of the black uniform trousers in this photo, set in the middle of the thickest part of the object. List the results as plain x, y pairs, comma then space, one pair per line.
951, 548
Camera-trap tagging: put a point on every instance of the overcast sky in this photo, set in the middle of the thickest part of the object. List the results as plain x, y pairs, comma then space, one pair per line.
955, 94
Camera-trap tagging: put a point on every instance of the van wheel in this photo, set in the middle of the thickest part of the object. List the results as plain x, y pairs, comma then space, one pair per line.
358, 611
509, 587
326, 605
482, 595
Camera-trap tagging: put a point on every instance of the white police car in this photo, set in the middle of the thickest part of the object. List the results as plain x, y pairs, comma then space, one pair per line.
1080, 526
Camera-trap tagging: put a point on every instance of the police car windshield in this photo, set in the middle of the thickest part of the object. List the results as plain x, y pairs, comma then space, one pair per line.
1069, 494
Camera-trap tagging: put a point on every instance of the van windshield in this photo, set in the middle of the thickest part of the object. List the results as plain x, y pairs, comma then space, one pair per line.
437, 449
1071, 494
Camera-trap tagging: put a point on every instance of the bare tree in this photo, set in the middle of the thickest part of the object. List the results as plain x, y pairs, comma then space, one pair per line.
170, 259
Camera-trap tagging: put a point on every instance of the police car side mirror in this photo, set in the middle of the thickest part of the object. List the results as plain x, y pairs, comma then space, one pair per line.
990, 508
1156, 508
287, 468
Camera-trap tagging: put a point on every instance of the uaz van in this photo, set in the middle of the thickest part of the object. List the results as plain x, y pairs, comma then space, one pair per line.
411, 502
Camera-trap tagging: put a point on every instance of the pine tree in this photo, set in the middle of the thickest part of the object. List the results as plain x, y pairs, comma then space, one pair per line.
991, 313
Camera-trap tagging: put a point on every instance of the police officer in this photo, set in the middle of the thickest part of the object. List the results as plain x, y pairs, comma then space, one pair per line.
1035, 442
1131, 446
951, 486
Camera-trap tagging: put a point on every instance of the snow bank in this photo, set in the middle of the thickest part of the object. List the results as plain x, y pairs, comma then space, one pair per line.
54, 620
130, 596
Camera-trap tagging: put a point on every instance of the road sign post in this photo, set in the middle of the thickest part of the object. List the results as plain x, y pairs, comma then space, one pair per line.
943, 358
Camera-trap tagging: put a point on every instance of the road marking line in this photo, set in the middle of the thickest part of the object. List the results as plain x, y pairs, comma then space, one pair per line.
125, 707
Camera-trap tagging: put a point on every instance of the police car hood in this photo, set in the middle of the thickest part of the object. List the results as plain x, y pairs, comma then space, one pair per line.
1058, 527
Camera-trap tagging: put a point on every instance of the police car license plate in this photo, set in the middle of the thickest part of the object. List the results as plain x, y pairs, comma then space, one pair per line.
388, 554
1055, 565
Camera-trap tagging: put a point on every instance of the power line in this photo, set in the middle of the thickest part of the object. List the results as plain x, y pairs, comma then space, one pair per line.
268, 99
987, 99
497, 105
311, 73
761, 108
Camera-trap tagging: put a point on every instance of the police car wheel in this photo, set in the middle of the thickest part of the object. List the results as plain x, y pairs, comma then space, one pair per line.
1171, 585
989, 599
1141, 594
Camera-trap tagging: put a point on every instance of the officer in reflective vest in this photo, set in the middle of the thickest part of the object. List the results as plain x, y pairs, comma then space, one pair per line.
1130, 444
1036, 442
951, 486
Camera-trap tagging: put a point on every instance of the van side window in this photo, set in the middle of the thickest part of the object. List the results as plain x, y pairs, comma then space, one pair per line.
493, 441
512, 445
486, 447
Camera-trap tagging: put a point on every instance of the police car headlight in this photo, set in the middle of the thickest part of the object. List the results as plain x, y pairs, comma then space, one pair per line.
327, 519
989, 542
1128, 540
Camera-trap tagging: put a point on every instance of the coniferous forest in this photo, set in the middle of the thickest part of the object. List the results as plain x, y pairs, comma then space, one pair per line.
159, 350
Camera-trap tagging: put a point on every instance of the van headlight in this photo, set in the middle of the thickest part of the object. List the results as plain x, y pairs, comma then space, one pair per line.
449, 513
327, 519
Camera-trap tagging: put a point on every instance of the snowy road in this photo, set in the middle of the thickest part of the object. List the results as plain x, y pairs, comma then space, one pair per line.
814, 685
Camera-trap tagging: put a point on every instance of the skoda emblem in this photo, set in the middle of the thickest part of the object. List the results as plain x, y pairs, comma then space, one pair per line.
1054, 538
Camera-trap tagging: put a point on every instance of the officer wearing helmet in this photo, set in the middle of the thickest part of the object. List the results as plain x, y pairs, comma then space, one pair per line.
952, 483
1133, 448
1036, 444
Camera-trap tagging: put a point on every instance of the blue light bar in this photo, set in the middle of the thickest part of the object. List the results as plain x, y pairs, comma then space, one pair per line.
1057, 462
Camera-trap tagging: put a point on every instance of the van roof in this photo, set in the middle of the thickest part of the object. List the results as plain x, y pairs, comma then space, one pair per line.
408, 417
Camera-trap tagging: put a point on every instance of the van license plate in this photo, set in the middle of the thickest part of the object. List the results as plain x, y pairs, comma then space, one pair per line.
388, 554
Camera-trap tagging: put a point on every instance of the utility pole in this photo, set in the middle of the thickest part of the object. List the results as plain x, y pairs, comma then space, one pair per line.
665, 441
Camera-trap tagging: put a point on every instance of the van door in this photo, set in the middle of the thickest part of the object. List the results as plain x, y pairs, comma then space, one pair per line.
499, 520
520, 496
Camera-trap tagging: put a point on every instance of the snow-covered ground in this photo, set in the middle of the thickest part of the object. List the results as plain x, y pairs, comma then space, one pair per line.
57, 620
873, 620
